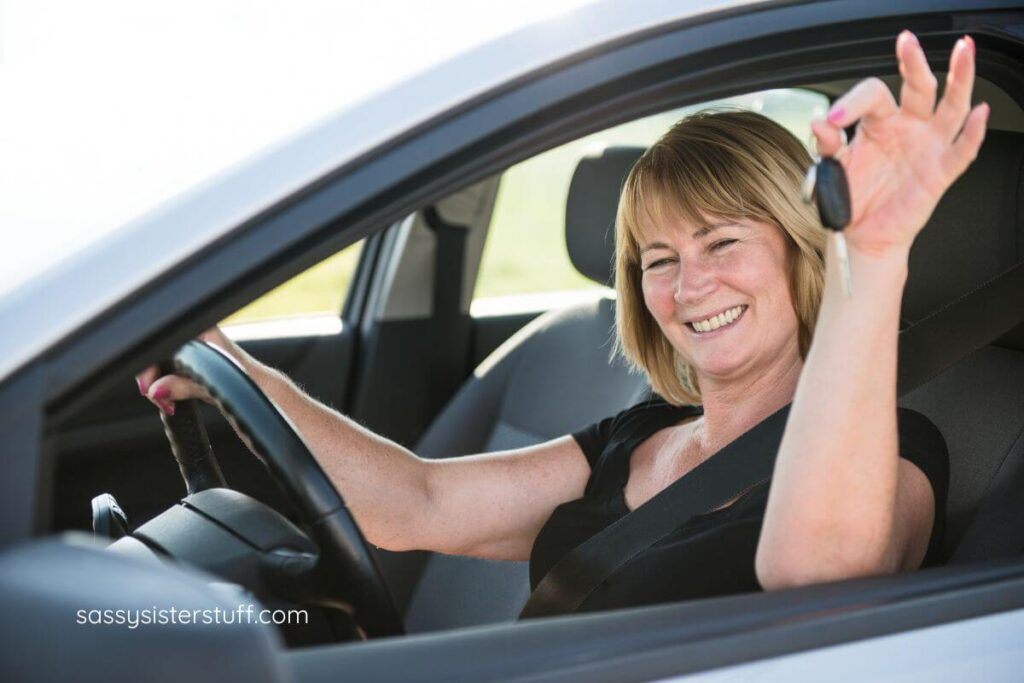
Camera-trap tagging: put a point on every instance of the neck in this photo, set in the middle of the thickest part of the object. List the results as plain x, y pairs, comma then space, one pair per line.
733, 407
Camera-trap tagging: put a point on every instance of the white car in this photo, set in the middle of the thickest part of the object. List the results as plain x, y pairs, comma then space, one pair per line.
422, 176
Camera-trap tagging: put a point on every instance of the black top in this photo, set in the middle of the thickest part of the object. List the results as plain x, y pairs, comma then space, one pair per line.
710, 554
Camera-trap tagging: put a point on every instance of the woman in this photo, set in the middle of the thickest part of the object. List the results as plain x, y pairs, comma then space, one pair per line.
722, 278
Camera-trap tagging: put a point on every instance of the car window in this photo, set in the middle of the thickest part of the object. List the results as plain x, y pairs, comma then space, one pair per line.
309, 303
525, 265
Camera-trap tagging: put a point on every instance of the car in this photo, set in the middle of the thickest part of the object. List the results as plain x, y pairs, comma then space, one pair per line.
412, 174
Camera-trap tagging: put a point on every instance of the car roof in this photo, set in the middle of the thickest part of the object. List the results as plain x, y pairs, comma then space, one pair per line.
103, 273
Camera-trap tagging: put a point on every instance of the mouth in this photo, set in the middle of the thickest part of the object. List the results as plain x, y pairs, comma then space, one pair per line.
725, 320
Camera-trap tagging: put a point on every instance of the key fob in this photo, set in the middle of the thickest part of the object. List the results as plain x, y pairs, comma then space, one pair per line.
826, 182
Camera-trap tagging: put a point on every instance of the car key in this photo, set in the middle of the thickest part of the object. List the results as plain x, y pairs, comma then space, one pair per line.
826, 182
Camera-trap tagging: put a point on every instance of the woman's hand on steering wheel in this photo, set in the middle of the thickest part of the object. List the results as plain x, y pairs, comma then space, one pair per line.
163, 390
904, 156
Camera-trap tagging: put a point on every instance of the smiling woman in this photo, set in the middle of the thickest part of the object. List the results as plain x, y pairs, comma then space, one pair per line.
722, 279
851, 479
714, 189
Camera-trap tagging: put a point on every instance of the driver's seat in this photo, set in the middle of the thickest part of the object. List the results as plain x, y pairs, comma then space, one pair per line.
549, 379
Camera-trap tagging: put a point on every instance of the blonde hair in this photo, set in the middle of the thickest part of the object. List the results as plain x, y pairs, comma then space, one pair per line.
715, 164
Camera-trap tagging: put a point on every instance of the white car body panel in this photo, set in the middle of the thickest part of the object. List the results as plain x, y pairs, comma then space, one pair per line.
981, 649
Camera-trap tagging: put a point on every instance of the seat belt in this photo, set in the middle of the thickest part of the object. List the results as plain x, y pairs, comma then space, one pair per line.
709, 485
448, 367
926, 349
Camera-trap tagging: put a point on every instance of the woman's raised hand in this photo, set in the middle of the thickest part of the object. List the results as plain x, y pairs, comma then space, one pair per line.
164, 390
904, 156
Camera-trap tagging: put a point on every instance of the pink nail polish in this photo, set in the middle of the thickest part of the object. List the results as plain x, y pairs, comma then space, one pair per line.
167, 407
969, 42
835, 115
162, 393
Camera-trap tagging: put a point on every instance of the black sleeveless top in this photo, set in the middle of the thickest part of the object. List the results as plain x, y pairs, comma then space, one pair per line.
710, 554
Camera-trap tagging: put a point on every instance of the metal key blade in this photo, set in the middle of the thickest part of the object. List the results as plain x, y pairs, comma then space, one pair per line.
844, 263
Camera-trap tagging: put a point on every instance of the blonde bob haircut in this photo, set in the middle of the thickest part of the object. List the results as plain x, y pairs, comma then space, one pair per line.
713, 165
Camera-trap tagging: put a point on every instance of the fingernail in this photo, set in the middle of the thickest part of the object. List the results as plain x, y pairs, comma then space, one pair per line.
161, 393
969, 42
141, 386
911, 37
166, 406
835, 115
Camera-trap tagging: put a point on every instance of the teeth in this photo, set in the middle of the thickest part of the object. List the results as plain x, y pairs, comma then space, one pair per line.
723, 318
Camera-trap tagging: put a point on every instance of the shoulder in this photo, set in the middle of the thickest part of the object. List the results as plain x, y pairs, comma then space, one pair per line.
627, 424
921, 442
922, 446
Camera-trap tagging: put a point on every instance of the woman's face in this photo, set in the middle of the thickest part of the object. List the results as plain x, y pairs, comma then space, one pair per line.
720, 294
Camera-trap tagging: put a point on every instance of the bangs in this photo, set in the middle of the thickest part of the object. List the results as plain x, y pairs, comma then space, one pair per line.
698, 185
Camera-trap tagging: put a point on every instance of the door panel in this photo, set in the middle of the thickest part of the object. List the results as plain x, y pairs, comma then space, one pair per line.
117, 445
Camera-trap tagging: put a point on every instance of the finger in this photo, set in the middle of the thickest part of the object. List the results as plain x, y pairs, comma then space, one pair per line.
170, 388
829, 139
868, 100
917, 95
965, 150
956, 100
146, 378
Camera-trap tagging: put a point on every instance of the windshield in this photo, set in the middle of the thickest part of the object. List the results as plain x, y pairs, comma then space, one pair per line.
109, 109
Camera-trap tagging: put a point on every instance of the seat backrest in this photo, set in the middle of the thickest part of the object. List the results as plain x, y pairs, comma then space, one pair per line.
976, 232
549, 379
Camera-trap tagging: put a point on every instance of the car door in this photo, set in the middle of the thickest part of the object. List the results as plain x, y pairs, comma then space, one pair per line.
687, 63
117, 445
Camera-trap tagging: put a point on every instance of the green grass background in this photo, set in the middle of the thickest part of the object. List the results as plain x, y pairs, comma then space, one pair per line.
525, 250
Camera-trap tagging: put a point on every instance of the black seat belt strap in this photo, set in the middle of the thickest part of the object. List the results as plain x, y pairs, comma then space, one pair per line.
710, 485
448, 265
926, 348
451, 346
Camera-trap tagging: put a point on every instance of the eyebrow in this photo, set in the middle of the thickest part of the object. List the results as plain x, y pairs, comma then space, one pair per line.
701, 232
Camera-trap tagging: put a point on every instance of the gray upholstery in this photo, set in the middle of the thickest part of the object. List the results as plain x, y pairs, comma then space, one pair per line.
553, 376
978, 405
591, 207
977, 232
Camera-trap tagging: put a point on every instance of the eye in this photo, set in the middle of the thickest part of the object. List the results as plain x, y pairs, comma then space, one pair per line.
722, 244
658, 263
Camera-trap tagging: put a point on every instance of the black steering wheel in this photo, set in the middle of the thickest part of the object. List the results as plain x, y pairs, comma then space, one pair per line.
344, 561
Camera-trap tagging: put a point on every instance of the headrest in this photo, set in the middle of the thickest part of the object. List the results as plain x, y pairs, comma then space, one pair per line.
976, 231
591, 207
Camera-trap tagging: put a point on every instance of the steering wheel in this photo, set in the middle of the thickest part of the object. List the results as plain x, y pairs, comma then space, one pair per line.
344, 562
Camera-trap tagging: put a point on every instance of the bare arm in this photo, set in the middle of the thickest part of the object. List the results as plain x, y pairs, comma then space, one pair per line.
842, 503
489, 505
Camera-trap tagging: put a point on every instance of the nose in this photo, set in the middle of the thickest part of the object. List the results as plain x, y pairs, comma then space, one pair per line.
695, 282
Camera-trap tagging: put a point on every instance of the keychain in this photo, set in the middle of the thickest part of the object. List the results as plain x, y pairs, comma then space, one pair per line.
826, 182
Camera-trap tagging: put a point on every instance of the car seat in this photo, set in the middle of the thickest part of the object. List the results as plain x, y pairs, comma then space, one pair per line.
976, 233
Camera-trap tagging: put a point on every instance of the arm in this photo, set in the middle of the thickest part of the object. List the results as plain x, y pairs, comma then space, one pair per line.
489, 505
842, 503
